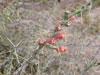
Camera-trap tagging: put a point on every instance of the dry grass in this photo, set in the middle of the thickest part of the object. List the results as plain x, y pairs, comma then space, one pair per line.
22, 24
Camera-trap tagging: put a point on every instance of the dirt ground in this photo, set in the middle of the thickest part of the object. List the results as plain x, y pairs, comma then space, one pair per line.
38, 19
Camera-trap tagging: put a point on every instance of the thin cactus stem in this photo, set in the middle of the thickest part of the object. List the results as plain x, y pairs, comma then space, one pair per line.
82, 8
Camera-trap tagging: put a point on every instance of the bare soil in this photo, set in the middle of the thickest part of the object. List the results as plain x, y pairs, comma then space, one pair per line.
38, 20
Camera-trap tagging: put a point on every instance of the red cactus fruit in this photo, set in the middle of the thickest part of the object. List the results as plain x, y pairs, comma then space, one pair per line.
51, 41
61, 49
72, 18
58, 27
59, 36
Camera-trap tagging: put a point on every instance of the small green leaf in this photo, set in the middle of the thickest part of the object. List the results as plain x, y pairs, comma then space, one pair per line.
63, 22
65, 15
